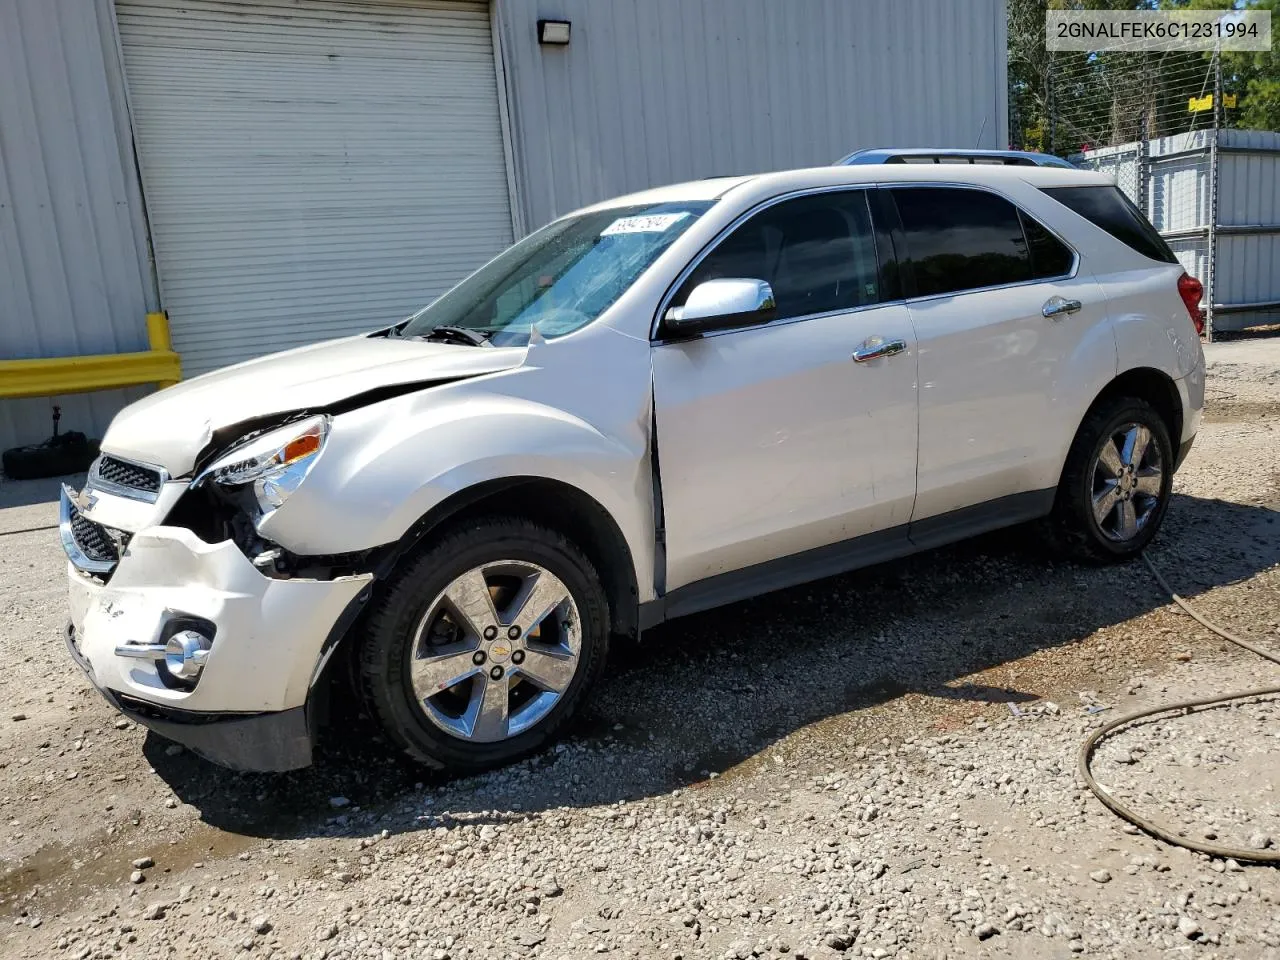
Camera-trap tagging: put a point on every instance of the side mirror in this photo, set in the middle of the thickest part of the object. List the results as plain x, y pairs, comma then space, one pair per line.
720, 304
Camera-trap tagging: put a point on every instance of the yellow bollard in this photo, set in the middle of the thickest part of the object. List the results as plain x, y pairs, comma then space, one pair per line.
158, 338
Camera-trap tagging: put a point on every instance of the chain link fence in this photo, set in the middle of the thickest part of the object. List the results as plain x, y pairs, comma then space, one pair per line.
1161, 124
1148, 119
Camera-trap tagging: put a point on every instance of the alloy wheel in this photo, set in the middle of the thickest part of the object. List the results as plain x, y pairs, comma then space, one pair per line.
495, 651
1128, 479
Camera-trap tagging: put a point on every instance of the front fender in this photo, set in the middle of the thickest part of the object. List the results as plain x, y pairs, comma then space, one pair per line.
387, 465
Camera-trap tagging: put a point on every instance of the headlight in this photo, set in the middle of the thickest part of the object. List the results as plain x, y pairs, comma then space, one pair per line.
272, 465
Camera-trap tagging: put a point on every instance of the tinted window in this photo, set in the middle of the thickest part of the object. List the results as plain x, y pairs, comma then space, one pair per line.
817, 253
961, 239
1108, 208
1050, 257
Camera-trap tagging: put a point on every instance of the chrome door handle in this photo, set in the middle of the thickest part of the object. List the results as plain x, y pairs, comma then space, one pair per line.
1057, 306
876, 347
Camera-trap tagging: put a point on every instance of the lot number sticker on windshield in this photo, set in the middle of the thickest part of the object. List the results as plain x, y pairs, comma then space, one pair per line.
653, 223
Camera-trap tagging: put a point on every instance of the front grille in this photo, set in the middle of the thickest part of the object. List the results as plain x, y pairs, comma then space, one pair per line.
133, 476
93, 539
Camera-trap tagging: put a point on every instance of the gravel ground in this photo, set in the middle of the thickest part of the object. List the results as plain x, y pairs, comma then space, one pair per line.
880, 764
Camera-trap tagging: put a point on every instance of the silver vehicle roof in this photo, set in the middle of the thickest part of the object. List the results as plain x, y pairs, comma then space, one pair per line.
787, 181
876, 155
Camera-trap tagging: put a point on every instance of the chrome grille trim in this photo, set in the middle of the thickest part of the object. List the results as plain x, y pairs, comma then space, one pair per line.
97, 553
127, 478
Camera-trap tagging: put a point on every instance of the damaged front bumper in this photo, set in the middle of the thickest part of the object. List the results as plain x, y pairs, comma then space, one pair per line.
263, 742
267, 638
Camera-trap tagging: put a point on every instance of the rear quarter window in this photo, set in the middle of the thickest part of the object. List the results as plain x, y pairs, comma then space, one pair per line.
1109, 209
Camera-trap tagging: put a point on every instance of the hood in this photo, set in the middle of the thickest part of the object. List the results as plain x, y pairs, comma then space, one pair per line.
170, 427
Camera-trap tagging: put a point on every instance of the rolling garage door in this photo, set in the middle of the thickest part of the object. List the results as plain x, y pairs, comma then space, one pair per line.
312, 168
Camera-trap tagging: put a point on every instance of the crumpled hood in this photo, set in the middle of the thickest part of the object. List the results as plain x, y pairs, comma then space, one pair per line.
170, 427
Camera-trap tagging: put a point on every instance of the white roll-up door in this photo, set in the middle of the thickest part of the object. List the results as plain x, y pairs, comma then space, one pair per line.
312, 168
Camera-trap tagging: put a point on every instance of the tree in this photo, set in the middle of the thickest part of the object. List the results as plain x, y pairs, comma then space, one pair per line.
1253, 77
1061, 101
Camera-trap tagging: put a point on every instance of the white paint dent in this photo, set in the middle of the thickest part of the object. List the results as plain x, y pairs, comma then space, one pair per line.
575, 411
170, 427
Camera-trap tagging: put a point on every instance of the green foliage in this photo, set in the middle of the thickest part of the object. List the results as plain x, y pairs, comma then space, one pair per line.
1063, 100
1255, 79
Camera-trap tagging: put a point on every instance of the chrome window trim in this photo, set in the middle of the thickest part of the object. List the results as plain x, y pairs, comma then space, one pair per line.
719, 238
1075, 254
782, 322
96, 482
78, 558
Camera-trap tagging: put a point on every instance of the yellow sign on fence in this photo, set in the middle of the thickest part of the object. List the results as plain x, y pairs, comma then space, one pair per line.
1201, 104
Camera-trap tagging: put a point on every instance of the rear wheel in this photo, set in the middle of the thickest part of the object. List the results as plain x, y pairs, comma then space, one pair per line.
1116, 485
485, 644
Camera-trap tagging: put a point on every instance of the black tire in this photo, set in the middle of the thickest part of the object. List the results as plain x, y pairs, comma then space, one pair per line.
384, 657
57, 457
1073, 524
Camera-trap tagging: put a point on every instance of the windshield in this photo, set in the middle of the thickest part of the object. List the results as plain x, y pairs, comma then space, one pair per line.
561, 277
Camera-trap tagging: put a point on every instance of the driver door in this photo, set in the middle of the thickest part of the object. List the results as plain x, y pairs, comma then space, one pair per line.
773, 441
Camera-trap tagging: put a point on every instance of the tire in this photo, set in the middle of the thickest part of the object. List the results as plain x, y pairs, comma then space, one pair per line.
1118, 534
431, 622
59, 456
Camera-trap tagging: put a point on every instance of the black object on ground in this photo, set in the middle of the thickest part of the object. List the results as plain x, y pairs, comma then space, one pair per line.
61, 454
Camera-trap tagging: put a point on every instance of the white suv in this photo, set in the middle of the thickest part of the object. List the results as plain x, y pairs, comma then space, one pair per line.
650, 407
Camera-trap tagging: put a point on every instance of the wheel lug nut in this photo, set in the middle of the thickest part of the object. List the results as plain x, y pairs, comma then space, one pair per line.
513, 632
517, 656
490, 632
496, 673
478, 657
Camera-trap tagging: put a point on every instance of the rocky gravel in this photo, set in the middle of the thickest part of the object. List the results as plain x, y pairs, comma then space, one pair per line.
877, 765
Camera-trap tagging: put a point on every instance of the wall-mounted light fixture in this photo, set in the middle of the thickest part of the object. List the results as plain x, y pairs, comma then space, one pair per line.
553, 32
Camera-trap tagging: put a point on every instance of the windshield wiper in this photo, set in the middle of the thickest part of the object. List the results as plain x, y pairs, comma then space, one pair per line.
465, 335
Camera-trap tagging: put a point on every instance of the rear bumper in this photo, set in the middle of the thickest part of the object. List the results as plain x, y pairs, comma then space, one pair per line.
264, 742
1191, 395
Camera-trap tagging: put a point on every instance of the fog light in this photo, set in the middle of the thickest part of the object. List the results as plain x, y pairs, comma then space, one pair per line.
185, 654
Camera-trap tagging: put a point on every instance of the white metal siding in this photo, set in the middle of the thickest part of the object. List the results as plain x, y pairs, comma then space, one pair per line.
1248, 265
74, 277
658, 91
312, 167
1179, 197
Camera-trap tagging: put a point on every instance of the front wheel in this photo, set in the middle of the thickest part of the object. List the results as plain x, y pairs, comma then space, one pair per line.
485, 644
1116, 485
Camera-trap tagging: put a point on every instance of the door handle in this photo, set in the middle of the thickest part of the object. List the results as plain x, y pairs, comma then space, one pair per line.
873, 348
1057, 306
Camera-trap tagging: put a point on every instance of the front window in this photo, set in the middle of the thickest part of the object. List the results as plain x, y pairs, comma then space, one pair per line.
817, 252
562, 277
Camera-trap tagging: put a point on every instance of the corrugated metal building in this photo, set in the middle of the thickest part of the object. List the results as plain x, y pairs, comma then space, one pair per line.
303, 169
1239, 258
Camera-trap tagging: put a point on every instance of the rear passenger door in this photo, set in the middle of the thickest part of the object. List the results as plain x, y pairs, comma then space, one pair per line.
1002, 316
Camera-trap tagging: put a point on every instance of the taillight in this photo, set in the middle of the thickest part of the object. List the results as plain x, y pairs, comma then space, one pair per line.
1191, 290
